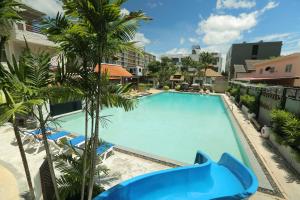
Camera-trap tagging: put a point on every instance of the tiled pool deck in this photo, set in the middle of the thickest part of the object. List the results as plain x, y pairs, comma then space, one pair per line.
126, 163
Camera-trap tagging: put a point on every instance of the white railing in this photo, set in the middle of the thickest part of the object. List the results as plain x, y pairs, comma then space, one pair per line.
30, 28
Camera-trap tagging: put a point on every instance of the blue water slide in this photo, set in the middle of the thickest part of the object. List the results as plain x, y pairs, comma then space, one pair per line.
227, 179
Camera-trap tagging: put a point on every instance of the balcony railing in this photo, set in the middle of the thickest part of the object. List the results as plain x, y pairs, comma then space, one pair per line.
30, 28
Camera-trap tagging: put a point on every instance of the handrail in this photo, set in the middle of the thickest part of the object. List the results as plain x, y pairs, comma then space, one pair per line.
28, 27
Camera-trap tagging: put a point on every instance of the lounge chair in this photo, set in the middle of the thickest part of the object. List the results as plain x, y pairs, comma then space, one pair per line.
37, 142
29, 134
103, 150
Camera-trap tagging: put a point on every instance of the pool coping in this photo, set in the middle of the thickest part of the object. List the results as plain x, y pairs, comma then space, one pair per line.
276, 191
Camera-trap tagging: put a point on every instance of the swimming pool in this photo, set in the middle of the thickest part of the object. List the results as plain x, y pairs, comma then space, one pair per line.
171, 125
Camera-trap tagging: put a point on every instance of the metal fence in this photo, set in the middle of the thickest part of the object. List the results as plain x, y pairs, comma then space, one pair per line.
271, 97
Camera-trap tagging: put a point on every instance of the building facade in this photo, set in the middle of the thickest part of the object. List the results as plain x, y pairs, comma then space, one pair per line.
284, 70
196, 51
239, 53
134, 62
28, 28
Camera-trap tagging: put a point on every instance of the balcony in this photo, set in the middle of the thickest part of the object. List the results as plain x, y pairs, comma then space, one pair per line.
32, 33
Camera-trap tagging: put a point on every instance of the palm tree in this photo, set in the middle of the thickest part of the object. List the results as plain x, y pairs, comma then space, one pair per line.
206, 59
9, 13
105, 20
71, 168
13, 104
44, 89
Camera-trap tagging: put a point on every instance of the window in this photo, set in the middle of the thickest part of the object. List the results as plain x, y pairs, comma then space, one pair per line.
261, 71
140, 70
270, 69
254, 49
288, 68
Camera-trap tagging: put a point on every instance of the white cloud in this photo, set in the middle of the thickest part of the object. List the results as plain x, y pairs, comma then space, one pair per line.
50, 7
193, 40
223, 29
141, 40
235, 4
218, 29
178, 51
124, 12
272, 37
181, 40
270, 5
154, 4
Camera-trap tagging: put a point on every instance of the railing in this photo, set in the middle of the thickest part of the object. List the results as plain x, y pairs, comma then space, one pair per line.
30, 28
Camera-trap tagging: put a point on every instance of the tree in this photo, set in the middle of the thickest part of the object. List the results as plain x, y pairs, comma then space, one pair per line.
187, 62
206, 59
71, 168
104, 18
9, 13
13, 104
154, 67
100, 33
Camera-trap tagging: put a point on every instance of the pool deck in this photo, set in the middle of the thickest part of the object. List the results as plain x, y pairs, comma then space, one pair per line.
285, 178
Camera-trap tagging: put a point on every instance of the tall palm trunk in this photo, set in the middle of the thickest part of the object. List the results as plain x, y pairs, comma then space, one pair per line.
24, 159
85, 150
86, 135
3, 39
47, 149
97, 117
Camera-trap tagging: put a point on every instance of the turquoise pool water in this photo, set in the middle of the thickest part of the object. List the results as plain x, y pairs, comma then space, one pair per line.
172, 125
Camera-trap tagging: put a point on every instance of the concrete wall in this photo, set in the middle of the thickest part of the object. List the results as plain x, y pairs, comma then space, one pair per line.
293, 106
220, 85
266, 106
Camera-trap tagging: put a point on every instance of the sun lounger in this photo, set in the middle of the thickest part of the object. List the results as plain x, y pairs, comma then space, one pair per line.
103, 150
54, 137
77, 141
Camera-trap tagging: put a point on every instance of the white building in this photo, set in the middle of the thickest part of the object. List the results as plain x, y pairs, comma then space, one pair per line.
136, 70
28, 28
196, 50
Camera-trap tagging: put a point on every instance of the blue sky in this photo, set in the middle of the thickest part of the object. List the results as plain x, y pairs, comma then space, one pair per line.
214, 24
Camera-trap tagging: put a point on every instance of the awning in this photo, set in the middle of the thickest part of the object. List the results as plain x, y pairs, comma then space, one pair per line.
114, 71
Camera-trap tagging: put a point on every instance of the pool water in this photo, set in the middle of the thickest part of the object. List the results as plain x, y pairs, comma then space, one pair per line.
171, 125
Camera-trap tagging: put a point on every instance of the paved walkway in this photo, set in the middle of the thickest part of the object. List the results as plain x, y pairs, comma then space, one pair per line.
286, 180
10, 159
123, 166
8, 185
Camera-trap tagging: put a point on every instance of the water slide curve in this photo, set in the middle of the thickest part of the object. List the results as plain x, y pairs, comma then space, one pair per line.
226, 179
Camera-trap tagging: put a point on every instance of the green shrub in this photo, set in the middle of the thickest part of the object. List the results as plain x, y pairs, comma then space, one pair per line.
177, 87
279, 118
235, 91
144, 86
228, 89
287, 126
166, 87
248, 101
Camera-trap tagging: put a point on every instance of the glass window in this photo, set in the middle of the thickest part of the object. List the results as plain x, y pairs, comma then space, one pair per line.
288, 68
254, 49
140, 70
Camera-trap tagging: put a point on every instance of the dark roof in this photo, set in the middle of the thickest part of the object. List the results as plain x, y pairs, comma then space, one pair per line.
239, 68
